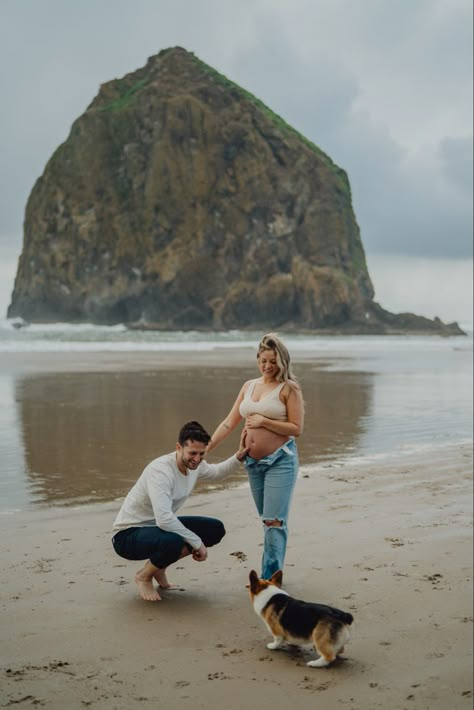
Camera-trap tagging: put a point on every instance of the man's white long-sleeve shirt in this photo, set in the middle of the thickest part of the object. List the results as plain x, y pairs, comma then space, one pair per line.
162, 489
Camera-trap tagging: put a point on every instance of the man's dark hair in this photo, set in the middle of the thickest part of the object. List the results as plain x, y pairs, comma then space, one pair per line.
193, 431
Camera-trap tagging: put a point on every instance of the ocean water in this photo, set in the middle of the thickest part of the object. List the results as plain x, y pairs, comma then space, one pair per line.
64, 337
80, 438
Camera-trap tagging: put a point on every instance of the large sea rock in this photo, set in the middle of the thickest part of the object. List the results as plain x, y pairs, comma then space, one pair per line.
181, 201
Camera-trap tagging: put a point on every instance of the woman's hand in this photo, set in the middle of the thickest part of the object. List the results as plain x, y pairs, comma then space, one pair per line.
254, 421
243, 448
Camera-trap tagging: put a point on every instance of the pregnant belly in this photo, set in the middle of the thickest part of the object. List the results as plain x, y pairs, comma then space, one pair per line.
263, 442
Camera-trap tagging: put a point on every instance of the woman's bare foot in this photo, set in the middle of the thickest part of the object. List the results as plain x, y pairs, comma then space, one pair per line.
146, 588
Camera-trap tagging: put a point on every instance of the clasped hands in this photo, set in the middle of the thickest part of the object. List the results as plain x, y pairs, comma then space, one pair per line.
200, 554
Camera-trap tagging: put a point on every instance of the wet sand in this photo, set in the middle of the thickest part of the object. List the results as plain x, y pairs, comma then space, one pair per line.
86, 436
113, 361
79, 428
392, 544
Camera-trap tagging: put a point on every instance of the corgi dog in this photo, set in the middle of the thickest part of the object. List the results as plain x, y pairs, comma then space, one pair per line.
297, 622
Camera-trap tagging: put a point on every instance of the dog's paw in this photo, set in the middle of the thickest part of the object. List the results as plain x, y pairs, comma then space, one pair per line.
273, 645
318, 663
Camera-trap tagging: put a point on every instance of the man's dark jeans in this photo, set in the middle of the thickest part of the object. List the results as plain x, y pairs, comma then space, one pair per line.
163, 548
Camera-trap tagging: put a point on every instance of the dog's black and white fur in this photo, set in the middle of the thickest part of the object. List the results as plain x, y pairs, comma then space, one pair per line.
297, 622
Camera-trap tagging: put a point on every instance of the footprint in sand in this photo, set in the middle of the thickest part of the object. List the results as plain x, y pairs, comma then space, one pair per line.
241, 556
395, 541
42, 565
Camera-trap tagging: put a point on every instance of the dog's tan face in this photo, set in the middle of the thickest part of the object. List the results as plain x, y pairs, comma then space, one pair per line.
257, 585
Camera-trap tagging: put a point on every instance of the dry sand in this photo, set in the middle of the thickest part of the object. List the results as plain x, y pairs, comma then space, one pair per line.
390, 542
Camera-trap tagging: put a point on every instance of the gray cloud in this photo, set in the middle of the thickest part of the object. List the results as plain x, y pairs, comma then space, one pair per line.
384, 88
405, 204
456, 162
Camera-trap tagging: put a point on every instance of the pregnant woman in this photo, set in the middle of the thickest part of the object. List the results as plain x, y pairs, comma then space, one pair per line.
273, 410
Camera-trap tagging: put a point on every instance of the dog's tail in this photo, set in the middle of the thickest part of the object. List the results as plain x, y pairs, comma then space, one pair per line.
347, 618
342, 616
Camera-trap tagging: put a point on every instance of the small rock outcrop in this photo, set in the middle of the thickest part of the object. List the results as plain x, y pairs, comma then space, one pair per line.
180, 201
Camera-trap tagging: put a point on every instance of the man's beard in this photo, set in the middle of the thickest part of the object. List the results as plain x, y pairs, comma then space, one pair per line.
187, 463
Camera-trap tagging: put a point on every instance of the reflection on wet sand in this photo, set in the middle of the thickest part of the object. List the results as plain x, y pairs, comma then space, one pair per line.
88, 436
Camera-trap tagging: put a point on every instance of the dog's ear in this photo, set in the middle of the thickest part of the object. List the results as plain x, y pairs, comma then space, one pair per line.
253, 578
277, 578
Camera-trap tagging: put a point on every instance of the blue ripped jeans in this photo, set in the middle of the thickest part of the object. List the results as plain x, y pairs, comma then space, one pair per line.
272, 480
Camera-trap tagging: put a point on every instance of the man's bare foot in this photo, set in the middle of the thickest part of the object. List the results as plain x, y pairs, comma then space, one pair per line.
162, 579
146, 588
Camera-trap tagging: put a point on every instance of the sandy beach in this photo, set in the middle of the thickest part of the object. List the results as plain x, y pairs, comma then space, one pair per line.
391, 543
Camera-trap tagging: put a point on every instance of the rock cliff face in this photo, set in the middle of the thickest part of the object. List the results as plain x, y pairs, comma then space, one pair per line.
181, 201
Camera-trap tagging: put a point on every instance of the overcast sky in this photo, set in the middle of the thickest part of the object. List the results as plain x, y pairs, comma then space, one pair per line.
384, 87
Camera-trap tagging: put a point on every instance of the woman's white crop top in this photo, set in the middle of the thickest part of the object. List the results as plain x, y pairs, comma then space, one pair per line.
269, 406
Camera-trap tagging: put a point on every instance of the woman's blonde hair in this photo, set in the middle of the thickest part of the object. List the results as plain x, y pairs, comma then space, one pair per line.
271, 341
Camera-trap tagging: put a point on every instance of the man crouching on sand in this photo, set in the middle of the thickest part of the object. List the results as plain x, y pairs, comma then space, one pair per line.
147, 528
